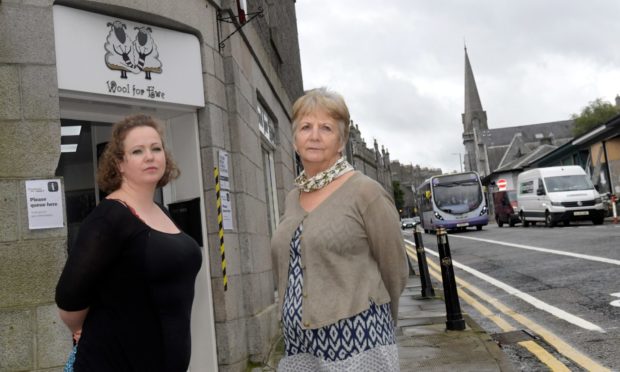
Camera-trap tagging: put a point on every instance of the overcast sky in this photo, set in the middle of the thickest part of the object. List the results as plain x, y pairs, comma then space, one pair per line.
400, 65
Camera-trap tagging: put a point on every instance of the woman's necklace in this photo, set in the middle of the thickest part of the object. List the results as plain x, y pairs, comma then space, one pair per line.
322, 179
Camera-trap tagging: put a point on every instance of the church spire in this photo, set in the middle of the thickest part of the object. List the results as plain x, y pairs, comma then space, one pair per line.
474, 125
472, 99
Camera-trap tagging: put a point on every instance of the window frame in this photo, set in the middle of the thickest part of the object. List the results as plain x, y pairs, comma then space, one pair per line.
268, 140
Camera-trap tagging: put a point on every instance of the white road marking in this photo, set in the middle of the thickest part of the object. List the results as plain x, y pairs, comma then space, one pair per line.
545, 250
559, 313
615, 303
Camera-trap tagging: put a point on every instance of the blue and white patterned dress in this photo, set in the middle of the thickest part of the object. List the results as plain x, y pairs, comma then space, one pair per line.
363, 342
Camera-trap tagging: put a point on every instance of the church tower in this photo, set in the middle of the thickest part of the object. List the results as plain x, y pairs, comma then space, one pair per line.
474, 126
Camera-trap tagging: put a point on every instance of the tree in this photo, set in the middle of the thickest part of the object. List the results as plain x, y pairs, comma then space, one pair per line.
399, 196
594, 114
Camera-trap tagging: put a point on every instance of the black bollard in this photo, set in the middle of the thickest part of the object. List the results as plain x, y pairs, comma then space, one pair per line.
425, 277
454, 318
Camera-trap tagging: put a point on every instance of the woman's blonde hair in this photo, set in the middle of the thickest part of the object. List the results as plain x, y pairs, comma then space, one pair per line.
329, 101
109, 177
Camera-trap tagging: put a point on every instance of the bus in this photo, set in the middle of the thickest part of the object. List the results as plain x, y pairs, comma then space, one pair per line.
452, 201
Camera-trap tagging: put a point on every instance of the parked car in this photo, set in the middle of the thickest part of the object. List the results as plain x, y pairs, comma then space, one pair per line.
558, 194
505, 206
409, 223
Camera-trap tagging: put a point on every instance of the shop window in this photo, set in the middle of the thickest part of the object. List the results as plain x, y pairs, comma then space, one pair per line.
77, 165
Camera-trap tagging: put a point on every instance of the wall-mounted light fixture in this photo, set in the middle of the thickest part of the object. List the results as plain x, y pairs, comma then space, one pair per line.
242, 17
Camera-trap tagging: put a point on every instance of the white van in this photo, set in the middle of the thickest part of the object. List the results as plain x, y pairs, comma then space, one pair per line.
555, 194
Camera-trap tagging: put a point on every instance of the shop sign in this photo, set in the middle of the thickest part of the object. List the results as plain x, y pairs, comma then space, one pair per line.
112, 56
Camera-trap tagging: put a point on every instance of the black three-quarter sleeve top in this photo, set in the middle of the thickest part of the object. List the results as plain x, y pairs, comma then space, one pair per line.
138, 284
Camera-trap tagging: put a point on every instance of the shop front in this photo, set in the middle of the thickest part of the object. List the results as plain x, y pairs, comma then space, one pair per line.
107, 68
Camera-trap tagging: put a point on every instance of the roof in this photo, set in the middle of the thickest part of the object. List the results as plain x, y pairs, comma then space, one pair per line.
514, 146
603, 132
495, 155
523, 161
504, 136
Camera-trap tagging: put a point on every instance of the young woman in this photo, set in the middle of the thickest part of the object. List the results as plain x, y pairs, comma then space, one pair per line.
127, 288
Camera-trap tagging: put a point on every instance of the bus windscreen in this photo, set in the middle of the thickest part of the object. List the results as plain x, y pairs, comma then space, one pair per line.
457, 194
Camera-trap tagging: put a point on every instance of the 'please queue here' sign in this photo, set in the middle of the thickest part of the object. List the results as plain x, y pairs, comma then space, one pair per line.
44, 200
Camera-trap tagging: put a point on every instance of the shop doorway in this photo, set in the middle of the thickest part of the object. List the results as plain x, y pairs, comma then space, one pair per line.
85, 129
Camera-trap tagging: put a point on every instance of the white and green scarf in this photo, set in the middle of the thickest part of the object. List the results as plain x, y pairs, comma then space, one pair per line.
323, 178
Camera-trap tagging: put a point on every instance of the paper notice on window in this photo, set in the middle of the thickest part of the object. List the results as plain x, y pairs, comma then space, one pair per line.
44, 200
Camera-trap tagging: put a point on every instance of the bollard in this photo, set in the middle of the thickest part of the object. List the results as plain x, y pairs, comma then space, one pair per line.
454, 318
425, 277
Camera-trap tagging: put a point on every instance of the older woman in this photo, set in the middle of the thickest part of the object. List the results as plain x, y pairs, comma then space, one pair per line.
127, 288
338, 252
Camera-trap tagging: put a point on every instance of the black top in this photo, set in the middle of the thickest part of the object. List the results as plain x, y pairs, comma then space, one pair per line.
139, 285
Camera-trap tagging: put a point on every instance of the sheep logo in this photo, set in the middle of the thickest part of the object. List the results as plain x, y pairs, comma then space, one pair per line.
131, 55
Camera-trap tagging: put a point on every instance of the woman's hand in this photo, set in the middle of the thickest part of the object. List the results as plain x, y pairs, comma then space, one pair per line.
76, 336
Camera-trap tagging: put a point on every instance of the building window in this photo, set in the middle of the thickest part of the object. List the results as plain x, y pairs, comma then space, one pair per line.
270, 190
268, 138
266, 125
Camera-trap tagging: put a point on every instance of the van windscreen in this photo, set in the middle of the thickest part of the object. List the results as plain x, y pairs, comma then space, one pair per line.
568, 183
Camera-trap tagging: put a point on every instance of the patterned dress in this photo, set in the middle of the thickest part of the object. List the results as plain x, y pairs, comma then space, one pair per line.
363, 342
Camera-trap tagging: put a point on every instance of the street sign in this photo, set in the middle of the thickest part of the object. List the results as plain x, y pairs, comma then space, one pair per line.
502, 184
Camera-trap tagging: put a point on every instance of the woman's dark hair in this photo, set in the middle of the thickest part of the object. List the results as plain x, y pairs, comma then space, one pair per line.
109, 177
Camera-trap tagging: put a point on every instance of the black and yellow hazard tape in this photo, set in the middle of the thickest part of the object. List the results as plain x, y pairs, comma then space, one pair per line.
220, 224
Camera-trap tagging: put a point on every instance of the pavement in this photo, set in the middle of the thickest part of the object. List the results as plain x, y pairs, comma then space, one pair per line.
424, 344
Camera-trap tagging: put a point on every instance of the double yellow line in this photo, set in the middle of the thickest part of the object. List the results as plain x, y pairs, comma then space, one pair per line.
543, 355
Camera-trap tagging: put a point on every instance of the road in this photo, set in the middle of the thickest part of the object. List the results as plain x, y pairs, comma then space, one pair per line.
561, 285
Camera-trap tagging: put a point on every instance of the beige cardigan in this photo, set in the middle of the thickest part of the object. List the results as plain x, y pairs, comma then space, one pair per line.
352, 252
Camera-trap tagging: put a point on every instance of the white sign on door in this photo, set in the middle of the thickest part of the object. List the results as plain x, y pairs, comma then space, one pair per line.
44, 200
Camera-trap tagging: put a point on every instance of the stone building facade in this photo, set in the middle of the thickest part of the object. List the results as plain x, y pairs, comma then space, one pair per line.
223, 105
372, 162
